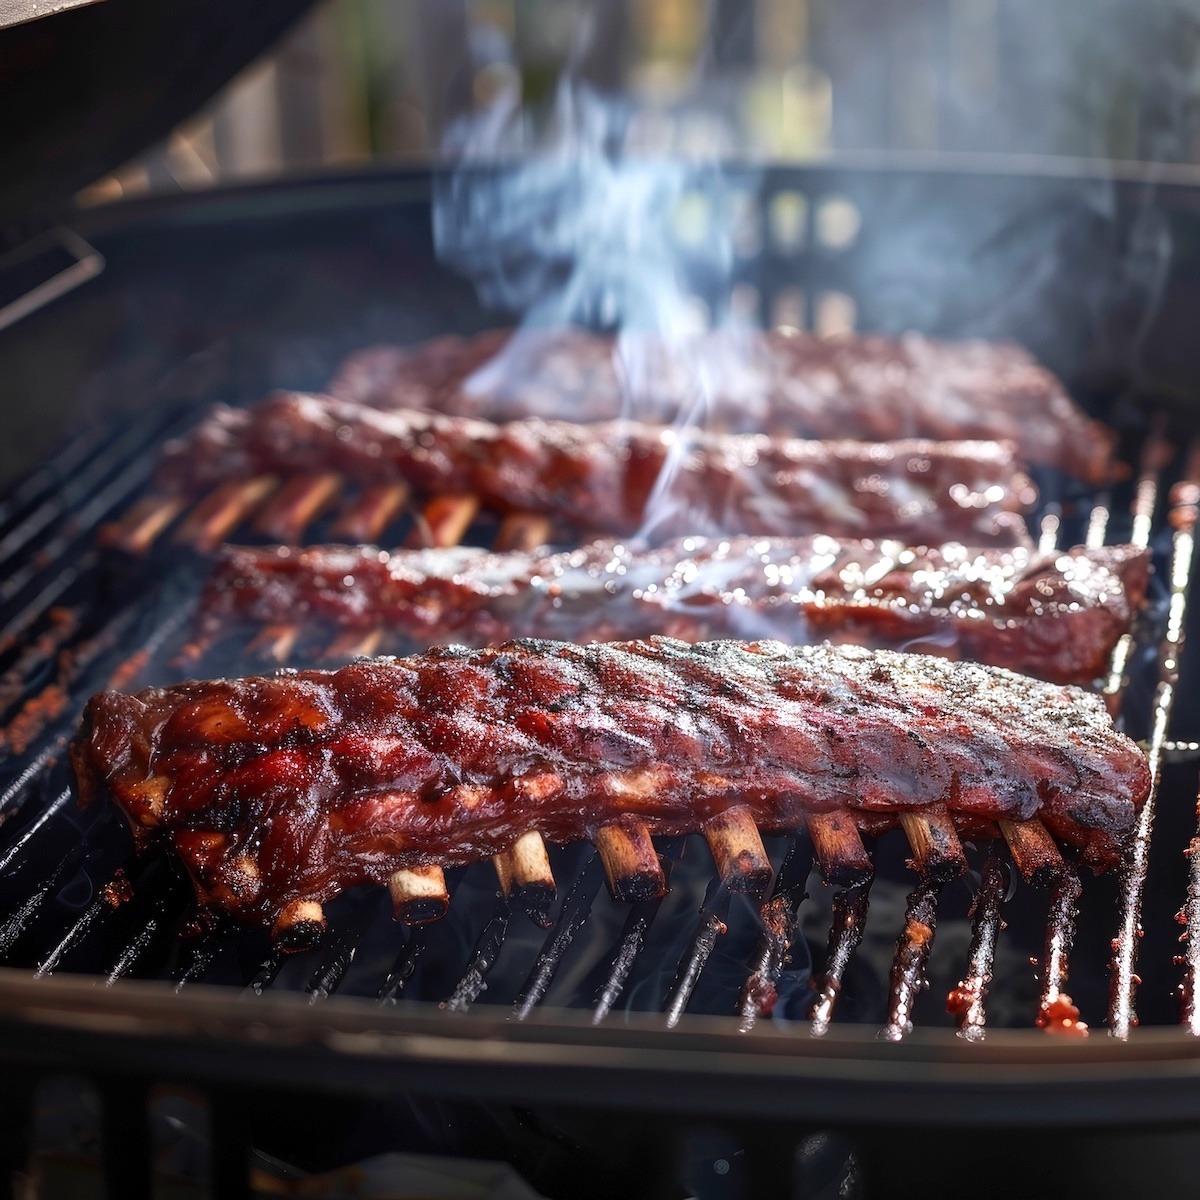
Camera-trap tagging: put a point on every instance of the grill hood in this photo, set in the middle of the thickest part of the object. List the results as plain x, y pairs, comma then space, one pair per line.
88, 87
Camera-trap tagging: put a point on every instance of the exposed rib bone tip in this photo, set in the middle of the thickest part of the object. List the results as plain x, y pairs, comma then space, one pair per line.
839, 848
223, 510
1033, 850
299, 926
354, 644
738, 850
366, 517
276, 642
630, 861
936, 849
524, 871
296, 505
523, 531
444, 520
419, 894
141, 527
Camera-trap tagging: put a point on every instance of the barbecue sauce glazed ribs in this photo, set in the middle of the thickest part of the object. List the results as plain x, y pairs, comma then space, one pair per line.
784, 382
604, 477
293, 787
1056, 616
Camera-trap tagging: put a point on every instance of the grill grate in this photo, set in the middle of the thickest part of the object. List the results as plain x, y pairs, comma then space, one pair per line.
87, 646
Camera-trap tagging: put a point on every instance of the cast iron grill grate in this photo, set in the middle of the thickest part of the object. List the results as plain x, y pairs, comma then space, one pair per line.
74, 619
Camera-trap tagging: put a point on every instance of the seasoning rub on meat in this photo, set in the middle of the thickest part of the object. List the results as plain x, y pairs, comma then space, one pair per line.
280, 792
617, 477
1057, 616
784, 382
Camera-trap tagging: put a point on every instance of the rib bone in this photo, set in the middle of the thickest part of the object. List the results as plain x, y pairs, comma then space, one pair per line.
936, 849
299, 925
967, 1002
1033, 850
445, 520
299, 502
366, 517
845, 933
419, 894
223, 510
523, 531
738, 850
140, 528
630, 861
275, 642
839, 848
353, 643
524, 871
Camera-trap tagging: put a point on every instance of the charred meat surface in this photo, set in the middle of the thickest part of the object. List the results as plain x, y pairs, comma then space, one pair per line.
784, 382
279, 792
621, 477
1056, 616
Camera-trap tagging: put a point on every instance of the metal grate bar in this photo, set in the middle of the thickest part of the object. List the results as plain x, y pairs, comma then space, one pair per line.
19, 789
21, 917
100, 490
267, 971
1183, 512
1190, 959
128, 959
845, 933
710, 927
573, 916
1189, 498
104, 906
88, 921
336, 959
1056, 1011
202, 953
125, 449
633, 935
61, 624
912, 955
483, 958
53, 704
405, 966
967, 1003
17, 625
90, 655
779, 917
47, 478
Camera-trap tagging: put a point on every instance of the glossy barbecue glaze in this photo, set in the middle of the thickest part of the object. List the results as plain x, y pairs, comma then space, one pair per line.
784, 382
1057, 616
621, 477
293, 787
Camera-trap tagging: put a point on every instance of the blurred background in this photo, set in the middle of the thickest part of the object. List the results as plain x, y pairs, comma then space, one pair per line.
390, 80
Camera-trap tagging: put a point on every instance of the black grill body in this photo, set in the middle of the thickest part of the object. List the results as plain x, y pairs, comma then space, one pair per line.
227, 295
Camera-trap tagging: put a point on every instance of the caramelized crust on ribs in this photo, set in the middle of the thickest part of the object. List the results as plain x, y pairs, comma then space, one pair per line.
616, 476
784, 382
288, 789
1056, 616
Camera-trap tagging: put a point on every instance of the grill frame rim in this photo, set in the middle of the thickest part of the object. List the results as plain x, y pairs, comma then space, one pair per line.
1015, 1078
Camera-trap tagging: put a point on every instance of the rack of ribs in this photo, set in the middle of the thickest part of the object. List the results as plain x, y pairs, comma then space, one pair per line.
1055, 615
279, 792
618, 477
784, 382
